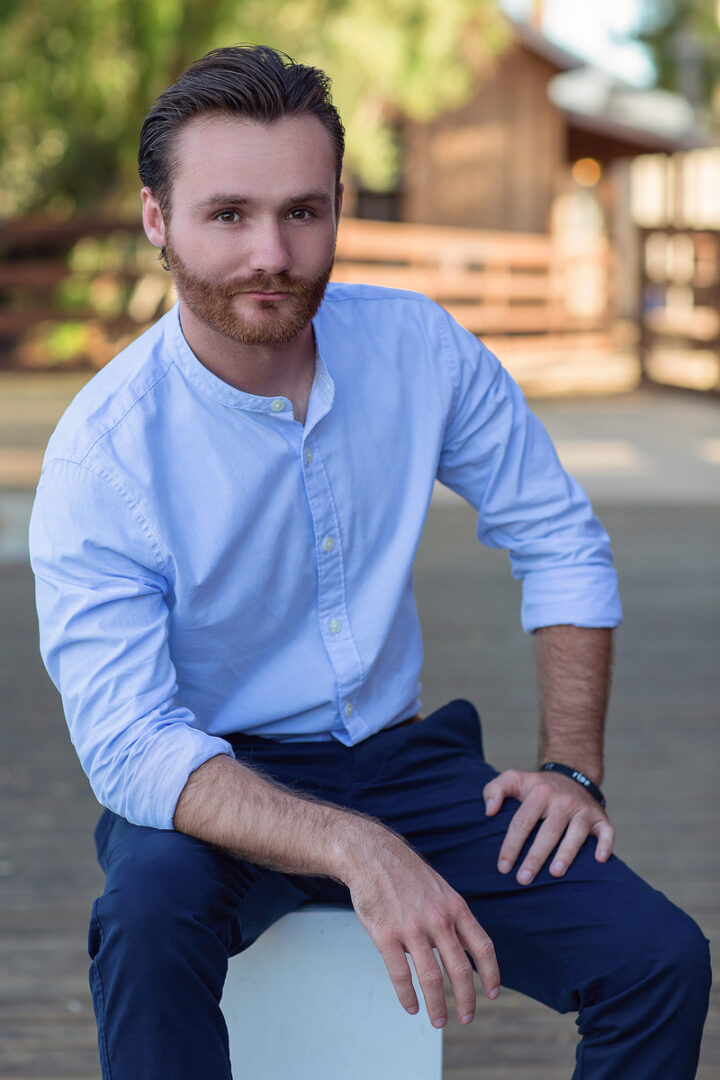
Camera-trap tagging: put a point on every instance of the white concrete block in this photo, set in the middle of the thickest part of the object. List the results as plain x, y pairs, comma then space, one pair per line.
311, 1000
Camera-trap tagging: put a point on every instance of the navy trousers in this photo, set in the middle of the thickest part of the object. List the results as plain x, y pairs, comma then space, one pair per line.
599, 941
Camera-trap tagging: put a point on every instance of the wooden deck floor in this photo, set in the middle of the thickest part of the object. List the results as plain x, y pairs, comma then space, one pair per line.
663, 738
663, 755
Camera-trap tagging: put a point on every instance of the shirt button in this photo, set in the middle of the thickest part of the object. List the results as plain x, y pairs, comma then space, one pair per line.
277, 405
328, 543
349, 710
334, 626
308, 454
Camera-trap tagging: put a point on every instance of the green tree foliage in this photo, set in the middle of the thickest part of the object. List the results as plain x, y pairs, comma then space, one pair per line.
79, 75
683, 37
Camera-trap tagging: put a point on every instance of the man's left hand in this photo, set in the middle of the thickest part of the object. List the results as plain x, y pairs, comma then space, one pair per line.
568, 814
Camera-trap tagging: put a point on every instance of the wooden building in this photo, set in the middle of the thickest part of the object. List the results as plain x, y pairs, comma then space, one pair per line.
500, 161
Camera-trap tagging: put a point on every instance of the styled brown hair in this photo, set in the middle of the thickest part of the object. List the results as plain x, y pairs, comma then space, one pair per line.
252, 81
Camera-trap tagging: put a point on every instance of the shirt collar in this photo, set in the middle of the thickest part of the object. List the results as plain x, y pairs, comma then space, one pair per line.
203, 380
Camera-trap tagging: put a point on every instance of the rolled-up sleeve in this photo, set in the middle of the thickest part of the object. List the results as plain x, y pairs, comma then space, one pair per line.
499, 457
102, 599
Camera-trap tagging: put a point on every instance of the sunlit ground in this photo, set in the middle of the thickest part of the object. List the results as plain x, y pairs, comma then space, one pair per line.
651, 462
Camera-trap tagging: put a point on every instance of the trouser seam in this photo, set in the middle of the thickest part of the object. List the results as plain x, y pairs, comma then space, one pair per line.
99, 991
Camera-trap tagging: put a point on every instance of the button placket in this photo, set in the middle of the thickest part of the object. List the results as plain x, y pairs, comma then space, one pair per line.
335, 626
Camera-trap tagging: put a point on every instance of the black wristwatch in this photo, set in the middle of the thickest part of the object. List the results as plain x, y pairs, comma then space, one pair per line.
578, 777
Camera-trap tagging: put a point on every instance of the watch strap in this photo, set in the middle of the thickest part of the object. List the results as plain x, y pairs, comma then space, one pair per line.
578, 777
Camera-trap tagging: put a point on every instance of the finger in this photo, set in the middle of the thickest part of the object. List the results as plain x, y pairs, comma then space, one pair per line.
606, 840
460, 973
521, 825
475, 941
401, 977
575, 837
553, 829
504, 785
432, 982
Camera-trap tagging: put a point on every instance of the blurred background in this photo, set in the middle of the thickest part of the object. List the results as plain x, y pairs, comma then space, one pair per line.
552, 178
550, 173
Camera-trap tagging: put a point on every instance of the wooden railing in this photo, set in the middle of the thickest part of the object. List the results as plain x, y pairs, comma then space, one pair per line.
104, 279
679, 314
494, 283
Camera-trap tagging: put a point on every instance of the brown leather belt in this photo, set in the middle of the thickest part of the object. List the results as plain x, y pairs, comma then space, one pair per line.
410, 720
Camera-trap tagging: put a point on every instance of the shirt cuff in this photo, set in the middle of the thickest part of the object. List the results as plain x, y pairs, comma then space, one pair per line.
153, 804
571, 596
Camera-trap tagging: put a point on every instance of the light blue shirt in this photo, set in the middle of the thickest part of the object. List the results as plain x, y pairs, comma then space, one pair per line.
206, 564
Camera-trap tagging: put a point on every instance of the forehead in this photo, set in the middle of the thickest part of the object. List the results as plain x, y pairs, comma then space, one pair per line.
293, 153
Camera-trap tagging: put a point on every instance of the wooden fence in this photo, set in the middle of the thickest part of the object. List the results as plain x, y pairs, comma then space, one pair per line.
679, 314
76, 291
497, 284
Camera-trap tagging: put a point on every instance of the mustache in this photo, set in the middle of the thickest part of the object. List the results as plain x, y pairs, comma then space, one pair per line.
265, 283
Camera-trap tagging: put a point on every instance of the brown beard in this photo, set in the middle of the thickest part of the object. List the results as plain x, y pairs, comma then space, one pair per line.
211, 301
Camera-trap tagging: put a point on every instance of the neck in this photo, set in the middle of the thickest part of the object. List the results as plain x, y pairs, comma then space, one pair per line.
264, 370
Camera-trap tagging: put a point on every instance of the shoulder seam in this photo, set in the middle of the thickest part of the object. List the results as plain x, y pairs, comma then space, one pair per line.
162, 566
454, 370
129, 409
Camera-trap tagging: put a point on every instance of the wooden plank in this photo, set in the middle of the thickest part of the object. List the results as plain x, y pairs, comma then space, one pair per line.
33, 273
40, 231
17, 321
551, 344
514, 319
388, 240
697, 324
451, 284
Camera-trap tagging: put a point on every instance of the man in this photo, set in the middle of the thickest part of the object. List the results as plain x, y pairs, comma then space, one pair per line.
223, 539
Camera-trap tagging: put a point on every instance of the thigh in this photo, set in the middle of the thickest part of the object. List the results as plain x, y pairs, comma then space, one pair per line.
557, 939
159, 879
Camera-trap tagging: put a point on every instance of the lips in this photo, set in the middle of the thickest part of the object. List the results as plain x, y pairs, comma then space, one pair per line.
264, 295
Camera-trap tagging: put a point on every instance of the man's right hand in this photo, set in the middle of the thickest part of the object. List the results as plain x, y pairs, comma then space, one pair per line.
402, 903
407, 908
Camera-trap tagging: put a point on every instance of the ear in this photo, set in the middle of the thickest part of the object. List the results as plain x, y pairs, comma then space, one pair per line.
152, 218
339, 202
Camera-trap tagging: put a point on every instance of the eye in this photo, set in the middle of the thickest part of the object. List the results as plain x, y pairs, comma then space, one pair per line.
301, 213
228, 216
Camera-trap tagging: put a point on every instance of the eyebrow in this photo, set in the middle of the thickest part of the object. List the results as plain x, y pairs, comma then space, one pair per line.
233, 199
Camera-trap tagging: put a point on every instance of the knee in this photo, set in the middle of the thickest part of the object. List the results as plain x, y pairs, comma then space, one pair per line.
160, 893
646, 944
667, 965
656, 969
683, 956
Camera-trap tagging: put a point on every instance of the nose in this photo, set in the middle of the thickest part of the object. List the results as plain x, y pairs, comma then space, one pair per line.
269, 252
